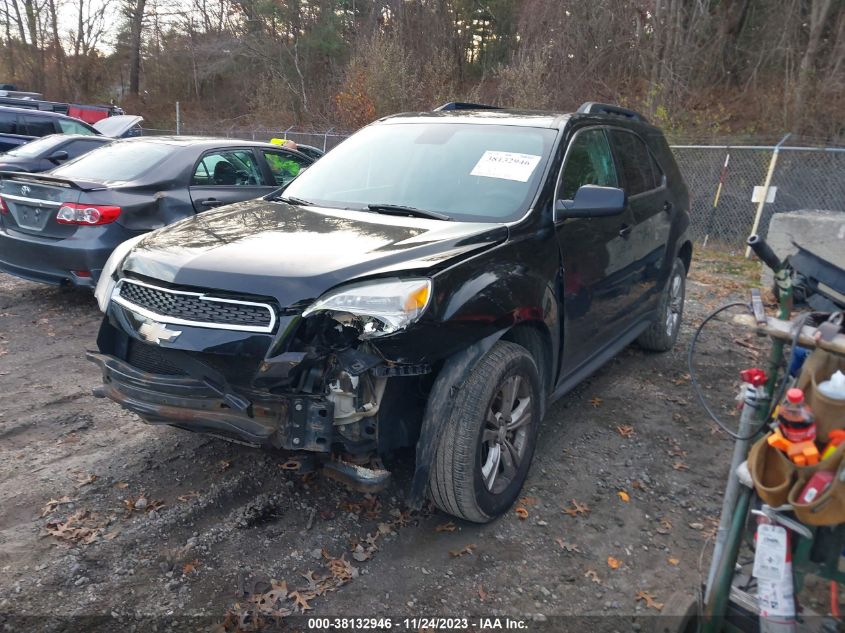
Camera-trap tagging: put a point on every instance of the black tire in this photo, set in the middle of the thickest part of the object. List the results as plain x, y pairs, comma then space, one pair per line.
680, 614
462, 482
661, 335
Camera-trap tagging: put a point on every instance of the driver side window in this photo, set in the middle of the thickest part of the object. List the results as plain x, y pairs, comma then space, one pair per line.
590, 162
227, 169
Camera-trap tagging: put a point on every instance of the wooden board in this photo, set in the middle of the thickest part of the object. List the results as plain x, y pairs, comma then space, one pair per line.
777, 328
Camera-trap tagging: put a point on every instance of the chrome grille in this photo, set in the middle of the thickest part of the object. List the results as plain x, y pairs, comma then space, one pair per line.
181, 307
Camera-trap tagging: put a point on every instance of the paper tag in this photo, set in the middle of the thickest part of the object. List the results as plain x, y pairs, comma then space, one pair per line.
770, 556
506, 165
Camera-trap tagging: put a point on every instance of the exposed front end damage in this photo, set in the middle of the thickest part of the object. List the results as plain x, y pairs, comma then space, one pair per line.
311, 384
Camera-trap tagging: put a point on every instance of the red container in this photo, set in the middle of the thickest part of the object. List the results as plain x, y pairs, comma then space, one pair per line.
795, 418
818, 483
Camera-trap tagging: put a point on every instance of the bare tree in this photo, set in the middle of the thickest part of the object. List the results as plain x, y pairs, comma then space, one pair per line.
135, 13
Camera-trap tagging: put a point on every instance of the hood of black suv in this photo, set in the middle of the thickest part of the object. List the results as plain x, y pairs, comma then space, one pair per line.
296, 253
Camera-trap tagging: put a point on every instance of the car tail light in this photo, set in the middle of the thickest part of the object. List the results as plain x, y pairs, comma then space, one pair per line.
3, 208
86, 214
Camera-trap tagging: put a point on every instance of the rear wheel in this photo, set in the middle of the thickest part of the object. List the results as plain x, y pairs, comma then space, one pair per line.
485, 450
662, 334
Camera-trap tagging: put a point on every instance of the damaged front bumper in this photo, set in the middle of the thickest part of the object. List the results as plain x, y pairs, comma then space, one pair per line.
295, 422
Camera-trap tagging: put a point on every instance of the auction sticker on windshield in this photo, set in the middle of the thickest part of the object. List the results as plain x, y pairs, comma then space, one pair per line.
506, 165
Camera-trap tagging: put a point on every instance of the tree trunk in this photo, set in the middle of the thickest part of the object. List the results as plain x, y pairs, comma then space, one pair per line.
136, 23
57, 45
31, 12
819, 11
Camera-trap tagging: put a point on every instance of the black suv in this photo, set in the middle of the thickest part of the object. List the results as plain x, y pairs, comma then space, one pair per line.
434, 281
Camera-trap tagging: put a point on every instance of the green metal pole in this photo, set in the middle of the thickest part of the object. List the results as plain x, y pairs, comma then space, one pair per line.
714, 610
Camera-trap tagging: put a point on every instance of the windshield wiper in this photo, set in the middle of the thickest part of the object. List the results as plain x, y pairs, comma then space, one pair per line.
299, 202
398, 209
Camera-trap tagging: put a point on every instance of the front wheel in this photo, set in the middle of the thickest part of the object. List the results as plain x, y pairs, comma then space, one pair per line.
662, 334
487, 444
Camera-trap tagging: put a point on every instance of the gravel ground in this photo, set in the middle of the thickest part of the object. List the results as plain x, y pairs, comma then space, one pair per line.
151, 528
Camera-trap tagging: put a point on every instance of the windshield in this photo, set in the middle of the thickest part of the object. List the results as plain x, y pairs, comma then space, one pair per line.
119, 161
469, 172
37, 147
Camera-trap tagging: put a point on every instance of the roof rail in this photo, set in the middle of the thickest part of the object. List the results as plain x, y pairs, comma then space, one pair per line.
593, 107
460, 105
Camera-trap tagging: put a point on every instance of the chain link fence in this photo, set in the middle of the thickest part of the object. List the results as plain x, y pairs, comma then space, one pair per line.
805, 178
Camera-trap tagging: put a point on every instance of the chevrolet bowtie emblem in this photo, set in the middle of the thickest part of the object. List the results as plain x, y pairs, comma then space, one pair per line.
156, 332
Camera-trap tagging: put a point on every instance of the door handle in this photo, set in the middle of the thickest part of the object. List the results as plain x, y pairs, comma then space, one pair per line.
625, 231
667, 206
211, 202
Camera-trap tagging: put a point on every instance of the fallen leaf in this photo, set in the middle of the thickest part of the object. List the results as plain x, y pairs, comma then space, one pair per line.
665, 526
482, 594
224, 464
112, 535
596, 402
462, 552
84, 480
188, 568
674, 562
625, 430
52, 504
624, 496
121, 485
528, 501
188, 496
679, 465
613, 563
340, 569
577, 508
682, 379
301, 599
592, 575
266, 603
569, 547
649, 600
446, 527
80, 527
522, 513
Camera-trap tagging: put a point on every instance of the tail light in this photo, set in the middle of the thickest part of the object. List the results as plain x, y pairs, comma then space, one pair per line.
86, 214
3, 208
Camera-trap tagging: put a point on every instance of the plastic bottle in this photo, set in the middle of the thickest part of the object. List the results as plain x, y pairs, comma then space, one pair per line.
834, 387
795, 418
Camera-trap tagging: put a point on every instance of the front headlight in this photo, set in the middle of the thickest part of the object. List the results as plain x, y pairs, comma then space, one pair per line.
107, 281
380, 307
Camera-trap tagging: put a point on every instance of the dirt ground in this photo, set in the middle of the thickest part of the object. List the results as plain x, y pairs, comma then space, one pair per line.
108, 522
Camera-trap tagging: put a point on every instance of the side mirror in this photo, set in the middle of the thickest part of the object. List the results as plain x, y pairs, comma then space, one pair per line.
58, 156
591, 201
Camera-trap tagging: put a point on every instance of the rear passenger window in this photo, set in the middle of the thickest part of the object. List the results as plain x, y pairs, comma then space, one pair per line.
639, 171
8, 123
38, 126
589, 162
77, 148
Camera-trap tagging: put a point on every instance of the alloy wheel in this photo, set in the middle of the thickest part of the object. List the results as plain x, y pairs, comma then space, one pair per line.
676, 304
505, 436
